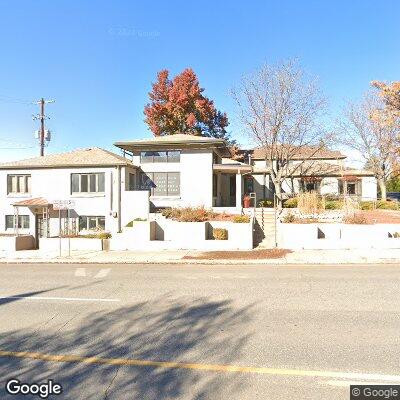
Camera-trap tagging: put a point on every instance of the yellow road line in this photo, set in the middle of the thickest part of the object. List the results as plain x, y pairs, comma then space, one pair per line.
194, 366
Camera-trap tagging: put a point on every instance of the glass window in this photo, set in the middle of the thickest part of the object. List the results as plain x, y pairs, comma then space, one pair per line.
92, 222
160, 156
351, 188
92, 183
131, 182
84, 184
101, 182
75, 183
88, 183
174, 156
160, 184
146, 157
23, 221
18, 184
82, 223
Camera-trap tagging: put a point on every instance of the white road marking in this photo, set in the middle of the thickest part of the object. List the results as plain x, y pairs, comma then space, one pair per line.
80, 272
103, 273
58, 298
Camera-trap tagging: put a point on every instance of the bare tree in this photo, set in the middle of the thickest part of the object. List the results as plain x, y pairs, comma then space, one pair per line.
280, 108
365, 128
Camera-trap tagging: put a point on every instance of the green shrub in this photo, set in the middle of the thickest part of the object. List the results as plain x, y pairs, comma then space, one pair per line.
241, 219
289, 218
291, 203
220, 234
332, 197
366, 205
333, 205
265, 203
396, 235
131, 223
387, 205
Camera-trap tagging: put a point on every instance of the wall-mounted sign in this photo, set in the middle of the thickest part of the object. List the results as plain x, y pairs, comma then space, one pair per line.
63, 204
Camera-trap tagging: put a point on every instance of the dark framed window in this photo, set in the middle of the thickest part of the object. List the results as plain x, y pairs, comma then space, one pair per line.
23, 221
88, 183
161, 183
18, 183
171, 156
92, 222
131, 182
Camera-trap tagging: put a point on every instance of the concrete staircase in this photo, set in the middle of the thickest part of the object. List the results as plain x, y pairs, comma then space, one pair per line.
264, 228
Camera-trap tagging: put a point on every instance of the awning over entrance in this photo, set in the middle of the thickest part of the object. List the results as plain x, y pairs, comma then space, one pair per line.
35, 202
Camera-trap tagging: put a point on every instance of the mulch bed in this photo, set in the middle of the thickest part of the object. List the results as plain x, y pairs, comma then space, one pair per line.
240, 255
381, 216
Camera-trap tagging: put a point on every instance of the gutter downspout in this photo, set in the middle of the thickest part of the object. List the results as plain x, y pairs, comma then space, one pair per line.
119, 197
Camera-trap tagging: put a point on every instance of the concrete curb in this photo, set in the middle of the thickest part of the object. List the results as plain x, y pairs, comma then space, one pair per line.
279, 261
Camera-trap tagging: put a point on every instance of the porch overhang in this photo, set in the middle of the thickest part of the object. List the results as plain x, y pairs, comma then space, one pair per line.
35, 202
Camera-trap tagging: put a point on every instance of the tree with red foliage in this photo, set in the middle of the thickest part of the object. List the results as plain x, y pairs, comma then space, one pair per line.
179, 106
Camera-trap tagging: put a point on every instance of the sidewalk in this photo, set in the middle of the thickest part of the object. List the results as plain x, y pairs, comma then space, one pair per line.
366, 256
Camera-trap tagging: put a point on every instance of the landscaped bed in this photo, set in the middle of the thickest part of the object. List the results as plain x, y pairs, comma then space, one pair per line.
240, 255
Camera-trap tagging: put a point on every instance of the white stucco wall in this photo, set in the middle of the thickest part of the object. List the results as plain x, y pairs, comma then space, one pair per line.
329, 185
195, 168
55, 184
369, 188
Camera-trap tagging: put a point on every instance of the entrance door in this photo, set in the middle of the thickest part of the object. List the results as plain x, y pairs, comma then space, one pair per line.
40, 229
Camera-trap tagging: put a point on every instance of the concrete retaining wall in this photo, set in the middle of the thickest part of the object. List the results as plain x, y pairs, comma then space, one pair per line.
338, 236
168, 234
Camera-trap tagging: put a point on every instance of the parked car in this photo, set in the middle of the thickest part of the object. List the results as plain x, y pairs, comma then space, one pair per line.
393, 196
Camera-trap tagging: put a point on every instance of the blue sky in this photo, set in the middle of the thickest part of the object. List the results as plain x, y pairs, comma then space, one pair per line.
97, 59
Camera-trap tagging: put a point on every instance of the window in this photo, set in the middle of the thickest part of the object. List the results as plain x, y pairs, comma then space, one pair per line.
18, 184
310, 185
350, 188
87, 183
161, 183
92, 223
131, 182
160, 156
23, 221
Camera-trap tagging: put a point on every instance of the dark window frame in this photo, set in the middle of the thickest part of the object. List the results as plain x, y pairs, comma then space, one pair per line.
171, 156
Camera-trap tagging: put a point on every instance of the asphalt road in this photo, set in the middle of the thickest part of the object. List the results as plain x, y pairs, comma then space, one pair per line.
185, 332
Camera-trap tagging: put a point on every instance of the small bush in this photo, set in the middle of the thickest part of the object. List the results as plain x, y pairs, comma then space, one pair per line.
100, 235
366, 205
355, 219
131, 223
266, 203
333, 205
396, 235
291, 203
387, 205
332, 197
289, 218
220, 234
241, 219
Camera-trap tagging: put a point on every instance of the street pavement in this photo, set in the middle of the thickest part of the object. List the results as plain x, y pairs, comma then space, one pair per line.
199, 331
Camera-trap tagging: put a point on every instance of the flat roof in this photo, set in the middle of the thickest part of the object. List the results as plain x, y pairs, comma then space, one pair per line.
176, 141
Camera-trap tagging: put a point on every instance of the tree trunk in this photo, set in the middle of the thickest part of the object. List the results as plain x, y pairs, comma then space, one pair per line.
382, 187
278, 194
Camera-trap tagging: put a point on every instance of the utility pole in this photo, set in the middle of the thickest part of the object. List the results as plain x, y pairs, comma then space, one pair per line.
41, 117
